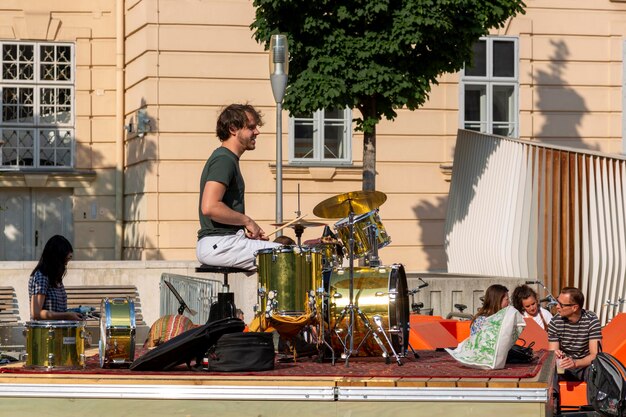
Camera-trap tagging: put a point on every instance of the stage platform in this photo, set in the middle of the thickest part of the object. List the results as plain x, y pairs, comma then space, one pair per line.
433, 385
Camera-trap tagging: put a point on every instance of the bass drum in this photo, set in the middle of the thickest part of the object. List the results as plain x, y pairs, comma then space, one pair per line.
117, 332
378, 291
55, 344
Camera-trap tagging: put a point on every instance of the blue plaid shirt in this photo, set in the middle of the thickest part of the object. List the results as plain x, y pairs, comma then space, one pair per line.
56, 297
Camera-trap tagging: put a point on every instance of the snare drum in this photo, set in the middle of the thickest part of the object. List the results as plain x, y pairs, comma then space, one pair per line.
287, 274
117, 332
55, 344
362, 224
378, 291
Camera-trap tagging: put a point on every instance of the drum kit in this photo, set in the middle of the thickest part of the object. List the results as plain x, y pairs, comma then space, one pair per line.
353, 310
60, 344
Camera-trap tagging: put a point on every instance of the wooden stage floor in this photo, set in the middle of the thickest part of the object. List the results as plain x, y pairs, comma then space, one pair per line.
189, 393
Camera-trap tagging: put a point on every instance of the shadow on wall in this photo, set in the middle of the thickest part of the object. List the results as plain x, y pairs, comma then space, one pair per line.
30, 215
429, 216
141, 159
562, 107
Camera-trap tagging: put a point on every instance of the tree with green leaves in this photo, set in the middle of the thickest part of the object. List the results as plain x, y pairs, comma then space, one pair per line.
374, 55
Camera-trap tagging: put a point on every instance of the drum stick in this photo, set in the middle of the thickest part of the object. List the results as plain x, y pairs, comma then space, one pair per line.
286, 224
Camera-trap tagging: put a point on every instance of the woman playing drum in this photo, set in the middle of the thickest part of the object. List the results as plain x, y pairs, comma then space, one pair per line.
48, 299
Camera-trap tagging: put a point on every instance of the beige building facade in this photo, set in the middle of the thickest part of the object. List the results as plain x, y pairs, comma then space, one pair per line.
109, 108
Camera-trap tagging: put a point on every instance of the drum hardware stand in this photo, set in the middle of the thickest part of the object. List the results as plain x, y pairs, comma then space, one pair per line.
322, 336
379, 324
370, 331
416, 307
352, 308
415, 355
335, 207
372, 237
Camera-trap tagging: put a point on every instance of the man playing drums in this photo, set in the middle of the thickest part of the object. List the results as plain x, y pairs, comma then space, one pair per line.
227, 236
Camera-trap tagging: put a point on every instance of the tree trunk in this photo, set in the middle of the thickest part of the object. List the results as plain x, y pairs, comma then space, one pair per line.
369, 160
369, 144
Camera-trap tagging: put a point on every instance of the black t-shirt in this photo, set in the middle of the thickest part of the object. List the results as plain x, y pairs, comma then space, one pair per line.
223, 167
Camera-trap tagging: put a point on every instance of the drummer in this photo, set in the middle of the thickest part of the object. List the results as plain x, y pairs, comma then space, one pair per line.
227, 236
48, 299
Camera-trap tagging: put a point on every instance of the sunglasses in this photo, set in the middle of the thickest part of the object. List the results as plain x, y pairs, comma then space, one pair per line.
564, 304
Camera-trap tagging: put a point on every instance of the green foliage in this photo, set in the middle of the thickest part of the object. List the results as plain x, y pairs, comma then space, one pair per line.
374, 55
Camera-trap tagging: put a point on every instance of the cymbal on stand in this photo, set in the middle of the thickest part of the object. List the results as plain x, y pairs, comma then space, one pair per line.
355, 202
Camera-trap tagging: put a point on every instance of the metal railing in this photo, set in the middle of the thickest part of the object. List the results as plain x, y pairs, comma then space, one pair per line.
198, 294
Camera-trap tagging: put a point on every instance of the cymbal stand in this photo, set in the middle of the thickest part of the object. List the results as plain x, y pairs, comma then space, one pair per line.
351, 308
350, 305
298, 229
323, 295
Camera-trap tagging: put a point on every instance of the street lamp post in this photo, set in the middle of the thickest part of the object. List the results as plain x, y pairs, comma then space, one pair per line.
279, 69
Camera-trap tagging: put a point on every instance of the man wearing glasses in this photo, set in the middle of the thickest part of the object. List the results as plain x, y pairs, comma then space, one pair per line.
574, 334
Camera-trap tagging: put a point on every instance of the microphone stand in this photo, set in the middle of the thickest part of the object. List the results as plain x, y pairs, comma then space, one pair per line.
550, 298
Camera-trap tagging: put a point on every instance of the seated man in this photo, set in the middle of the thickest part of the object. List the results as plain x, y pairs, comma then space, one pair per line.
574, 334
227, 236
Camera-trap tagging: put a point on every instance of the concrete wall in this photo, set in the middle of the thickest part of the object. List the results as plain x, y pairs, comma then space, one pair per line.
443, 292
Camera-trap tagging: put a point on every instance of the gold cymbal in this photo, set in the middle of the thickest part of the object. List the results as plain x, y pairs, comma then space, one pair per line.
357, 202
301, 223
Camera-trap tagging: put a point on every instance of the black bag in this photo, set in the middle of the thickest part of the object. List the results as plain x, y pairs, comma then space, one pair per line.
187, 346
521, 354
242, 352
605, 385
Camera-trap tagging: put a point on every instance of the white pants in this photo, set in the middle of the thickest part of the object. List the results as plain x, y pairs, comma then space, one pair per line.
230, 250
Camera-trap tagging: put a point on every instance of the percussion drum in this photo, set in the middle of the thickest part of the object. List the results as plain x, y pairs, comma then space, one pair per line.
362, 224
290, 272
117, 332
55, 344
377, 291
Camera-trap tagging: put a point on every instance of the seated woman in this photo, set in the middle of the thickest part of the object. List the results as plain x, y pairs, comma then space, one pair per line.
526, 302
496, 298
48, 299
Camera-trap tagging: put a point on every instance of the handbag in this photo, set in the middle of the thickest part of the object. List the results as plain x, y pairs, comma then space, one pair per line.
521, 354
242, 352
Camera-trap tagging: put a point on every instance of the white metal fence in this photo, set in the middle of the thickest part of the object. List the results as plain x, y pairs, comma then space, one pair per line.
198, 294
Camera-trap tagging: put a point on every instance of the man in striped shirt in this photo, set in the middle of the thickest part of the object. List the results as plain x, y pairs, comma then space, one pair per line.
574, 334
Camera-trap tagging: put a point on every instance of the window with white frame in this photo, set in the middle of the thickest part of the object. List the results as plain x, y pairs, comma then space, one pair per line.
321, 138
37, 104
489, 88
